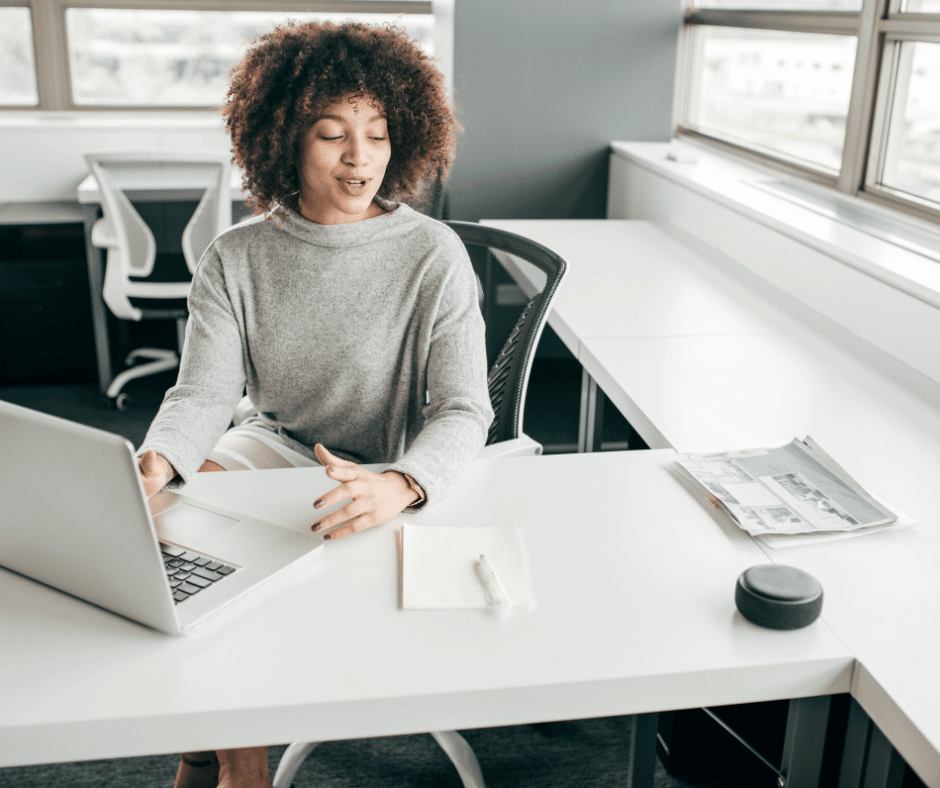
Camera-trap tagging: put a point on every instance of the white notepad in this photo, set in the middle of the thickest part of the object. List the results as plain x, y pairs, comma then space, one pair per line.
437, 566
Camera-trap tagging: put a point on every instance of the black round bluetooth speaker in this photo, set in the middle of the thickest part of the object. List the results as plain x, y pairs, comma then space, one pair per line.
778, 597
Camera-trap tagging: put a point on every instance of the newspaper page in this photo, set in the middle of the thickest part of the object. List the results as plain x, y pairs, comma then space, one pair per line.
792, 489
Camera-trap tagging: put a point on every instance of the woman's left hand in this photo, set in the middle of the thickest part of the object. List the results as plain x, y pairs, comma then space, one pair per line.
376, 497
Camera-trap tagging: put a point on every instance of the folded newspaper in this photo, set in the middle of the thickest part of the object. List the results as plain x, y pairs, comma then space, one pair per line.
792, 489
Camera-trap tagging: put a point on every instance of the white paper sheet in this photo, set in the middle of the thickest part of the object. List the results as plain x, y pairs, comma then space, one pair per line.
438, 566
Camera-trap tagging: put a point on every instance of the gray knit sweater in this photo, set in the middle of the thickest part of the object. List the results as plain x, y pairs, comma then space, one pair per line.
365, 337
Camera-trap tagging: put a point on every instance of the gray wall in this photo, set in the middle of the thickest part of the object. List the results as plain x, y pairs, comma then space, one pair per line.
542, 87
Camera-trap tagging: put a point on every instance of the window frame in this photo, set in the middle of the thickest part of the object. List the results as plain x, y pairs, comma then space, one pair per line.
880, 28
50, 39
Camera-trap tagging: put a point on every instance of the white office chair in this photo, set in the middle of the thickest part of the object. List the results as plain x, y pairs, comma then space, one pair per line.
132, 289
499, 258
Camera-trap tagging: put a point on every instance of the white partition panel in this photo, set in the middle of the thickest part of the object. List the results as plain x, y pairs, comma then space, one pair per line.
835, 274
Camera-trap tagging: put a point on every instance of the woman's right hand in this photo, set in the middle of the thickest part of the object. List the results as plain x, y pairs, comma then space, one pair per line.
155, 472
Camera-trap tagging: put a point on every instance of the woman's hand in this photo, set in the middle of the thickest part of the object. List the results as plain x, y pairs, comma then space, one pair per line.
376, 497
155, 471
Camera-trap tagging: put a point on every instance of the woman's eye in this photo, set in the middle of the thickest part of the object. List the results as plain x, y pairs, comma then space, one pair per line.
325, 137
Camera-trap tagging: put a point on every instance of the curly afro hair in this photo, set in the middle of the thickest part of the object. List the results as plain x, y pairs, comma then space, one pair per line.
291, 74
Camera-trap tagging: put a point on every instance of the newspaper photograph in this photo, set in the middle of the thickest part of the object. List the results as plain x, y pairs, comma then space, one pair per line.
792, 489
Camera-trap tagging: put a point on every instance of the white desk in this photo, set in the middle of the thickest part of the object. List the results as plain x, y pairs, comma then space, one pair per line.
161, 182
876, 416
40, 213
152, 183
637, 279
761, 380
634, 278
629, 618
899, 695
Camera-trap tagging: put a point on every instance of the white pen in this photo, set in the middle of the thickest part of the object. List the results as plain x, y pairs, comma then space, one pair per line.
496, 595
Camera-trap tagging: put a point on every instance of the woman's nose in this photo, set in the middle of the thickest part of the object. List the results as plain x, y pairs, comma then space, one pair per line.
356, 152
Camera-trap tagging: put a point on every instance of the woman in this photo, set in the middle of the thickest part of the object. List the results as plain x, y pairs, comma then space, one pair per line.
352, 320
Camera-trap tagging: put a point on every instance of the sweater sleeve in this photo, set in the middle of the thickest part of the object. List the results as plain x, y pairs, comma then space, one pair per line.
458, 412
199, 408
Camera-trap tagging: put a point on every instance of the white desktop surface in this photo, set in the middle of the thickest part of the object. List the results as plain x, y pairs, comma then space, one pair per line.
877, 418
41, 213
160, 182
635, 278
700, 385
633, 580
909, 682
882, 597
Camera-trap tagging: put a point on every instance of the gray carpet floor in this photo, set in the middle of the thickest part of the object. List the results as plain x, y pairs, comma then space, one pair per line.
588, 753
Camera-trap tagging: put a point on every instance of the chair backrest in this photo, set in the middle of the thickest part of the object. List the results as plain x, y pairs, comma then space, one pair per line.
519, 279
131, 243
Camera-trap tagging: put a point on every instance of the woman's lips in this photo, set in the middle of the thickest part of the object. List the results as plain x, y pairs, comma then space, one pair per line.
353, 186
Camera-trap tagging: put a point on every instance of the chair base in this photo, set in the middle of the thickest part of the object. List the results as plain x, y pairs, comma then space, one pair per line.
161, 361
456, 747
290, 762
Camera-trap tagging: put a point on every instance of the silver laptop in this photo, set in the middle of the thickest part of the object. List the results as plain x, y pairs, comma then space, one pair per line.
73, 516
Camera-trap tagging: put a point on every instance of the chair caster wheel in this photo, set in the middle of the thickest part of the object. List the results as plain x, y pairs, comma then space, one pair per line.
119, 402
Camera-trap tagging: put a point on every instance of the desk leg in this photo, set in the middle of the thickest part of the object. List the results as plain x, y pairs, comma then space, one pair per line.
591, 424
804, 741
642, 750
868, 759
99, 314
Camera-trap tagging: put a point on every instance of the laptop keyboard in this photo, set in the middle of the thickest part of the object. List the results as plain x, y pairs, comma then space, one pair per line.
191, 572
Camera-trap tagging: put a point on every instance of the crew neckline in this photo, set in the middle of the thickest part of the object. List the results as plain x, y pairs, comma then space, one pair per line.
354, 233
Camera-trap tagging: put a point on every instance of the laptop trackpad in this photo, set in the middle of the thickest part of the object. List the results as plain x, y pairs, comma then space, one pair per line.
188, 524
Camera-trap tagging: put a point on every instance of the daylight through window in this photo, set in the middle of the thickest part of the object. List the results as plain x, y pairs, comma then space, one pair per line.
169, 54
179, 58
17, 60
844, 92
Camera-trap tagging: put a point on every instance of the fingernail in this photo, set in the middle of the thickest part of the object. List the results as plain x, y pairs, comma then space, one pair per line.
318, 503
314, 528
326, 536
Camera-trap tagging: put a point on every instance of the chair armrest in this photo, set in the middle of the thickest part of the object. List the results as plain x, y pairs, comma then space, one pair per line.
523, 446
102, 234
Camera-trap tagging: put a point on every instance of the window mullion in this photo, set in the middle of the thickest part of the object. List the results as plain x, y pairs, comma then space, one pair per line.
829, 22
862, 97
51, 59
923, 25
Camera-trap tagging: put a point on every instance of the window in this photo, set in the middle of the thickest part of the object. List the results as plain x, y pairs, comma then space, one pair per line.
172, 54
783, 93
844, 92
179, 58
17, 61
907, 166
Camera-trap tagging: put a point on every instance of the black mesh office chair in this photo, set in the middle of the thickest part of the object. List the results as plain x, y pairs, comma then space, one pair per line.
518, 278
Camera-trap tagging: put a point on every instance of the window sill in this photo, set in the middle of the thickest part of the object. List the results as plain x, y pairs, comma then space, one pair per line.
111, 119
909, 261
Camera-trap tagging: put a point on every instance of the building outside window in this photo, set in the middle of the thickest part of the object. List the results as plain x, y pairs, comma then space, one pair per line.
843, 92
122, 54
17, 59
